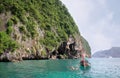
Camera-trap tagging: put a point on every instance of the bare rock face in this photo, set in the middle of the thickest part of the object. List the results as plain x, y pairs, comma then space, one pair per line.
67, 50
8, 57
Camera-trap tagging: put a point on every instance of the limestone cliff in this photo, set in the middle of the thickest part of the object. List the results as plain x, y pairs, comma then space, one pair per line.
38, 29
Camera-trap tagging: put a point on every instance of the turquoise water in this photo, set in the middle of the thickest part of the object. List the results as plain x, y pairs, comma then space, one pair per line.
100, 68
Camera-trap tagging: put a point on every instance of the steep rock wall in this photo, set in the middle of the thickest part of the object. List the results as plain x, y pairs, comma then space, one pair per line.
36, 29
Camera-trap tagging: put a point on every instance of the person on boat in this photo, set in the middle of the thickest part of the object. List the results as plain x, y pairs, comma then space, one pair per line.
84, 62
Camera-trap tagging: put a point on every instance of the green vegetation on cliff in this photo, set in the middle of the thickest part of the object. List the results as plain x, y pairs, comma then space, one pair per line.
34, 25
6, 43
86, 46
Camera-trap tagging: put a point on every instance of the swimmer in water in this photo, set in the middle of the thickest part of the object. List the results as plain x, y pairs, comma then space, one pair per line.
74, 68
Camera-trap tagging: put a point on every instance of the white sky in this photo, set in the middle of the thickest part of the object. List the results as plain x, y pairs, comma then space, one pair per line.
98, 21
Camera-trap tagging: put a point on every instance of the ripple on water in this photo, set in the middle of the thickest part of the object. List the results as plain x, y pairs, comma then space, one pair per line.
100, 68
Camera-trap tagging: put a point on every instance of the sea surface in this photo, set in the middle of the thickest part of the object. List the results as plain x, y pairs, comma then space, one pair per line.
100, 68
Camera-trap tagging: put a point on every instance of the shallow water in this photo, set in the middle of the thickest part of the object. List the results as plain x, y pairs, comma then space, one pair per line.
100, 68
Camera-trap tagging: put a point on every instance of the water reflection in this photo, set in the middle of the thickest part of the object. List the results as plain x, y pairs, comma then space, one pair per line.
85, 69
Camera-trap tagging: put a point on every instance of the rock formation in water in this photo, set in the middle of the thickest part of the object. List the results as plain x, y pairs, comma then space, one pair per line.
114, 52
38, 29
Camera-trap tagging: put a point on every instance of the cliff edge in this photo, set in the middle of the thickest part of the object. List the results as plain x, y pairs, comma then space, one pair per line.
38, 29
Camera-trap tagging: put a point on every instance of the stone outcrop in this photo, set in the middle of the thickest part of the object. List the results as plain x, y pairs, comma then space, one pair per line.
67, 50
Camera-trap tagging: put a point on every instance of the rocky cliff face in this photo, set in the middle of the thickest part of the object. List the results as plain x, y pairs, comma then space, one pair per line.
38, 29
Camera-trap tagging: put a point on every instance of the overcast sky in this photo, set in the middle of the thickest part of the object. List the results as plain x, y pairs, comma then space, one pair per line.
98, 21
